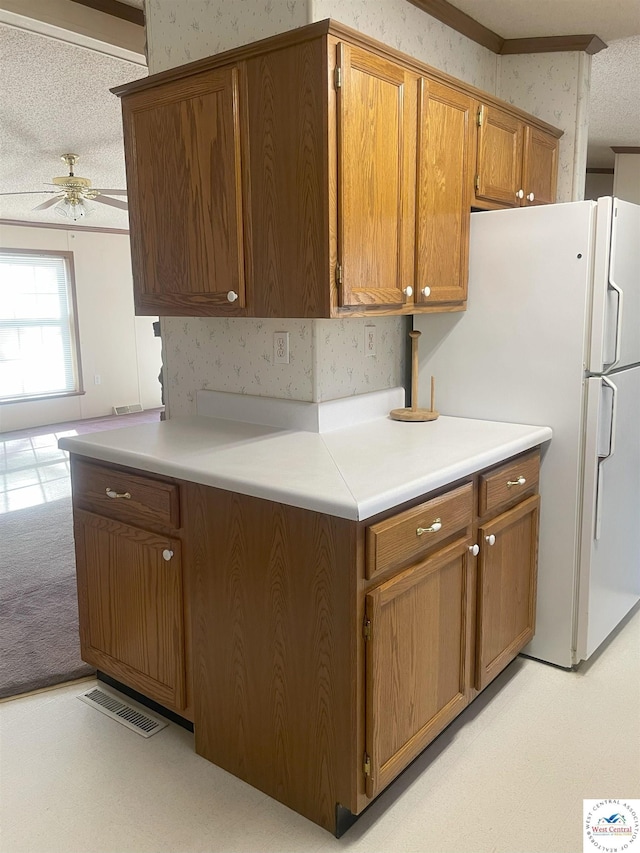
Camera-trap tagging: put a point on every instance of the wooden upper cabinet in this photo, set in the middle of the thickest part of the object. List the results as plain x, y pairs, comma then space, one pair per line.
316, 173
539, 167
184, 176
443, 194
499, 156
373, 138
516, 163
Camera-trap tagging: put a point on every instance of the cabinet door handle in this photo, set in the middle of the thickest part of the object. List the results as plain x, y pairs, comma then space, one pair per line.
520, 194
110, 493
232, 296
408, 291
435, 526
519, 482
426, 291
167, 554
491, 539
475, 550
530, 197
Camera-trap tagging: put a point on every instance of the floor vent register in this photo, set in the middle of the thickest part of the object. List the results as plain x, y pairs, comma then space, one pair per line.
142, 723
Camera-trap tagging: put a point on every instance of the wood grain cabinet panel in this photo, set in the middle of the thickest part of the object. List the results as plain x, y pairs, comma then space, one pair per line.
539, 167
418, 673
131, 606
184, 176
507, 584
373, 170
443, 195
295, 177
516, 163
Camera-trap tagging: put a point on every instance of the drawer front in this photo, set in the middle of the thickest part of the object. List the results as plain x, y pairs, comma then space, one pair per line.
398, 540
125, 496
506, 484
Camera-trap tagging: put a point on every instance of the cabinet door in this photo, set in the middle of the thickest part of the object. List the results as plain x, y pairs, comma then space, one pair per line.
540, 167
374, 222
418, 667
131, 606
443, 196
506, 588
499, 157
183, 154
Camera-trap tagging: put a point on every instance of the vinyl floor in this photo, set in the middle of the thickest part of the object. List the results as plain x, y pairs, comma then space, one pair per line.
508, 775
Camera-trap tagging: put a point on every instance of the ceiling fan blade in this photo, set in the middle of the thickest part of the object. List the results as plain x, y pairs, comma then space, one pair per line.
114, 202
48, 203
111, 192
33, 192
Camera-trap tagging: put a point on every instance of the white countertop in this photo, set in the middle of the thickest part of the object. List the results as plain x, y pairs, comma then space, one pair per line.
352, 472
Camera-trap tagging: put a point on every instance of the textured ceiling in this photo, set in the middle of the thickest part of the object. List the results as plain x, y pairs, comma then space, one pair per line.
56, 100
609, 19
614, 117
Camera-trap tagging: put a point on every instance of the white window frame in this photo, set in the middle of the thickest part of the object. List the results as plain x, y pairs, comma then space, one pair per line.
68, 325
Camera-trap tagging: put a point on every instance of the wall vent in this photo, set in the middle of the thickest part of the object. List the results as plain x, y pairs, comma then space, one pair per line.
127, 410
144, 724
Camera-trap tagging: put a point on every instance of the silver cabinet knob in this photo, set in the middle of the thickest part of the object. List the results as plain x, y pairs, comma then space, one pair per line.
490, 540
408, 291
475, 550
520, 194
530, 197
232, 296
519, 482
435, 526
426, 291
167, 554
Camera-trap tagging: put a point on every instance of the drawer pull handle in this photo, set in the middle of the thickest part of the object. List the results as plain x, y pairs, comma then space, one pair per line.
167, 554
519, 482
437, 524
475, 550
491, 539
111, 494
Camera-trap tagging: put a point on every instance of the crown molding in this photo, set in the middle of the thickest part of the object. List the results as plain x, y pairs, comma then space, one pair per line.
617, 149
447, 14
553, 44
461, 22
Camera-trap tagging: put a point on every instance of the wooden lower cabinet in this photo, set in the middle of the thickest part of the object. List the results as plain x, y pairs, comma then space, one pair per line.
317, 656
131, 606
418, 662
506, 587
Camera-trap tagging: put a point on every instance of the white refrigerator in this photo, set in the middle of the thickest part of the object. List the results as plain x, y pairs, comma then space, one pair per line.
551, 336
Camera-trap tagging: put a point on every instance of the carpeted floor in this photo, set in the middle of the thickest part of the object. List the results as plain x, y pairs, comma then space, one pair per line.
38, 607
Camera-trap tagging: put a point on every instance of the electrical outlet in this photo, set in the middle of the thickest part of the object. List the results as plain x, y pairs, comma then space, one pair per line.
281, 347
96, 379
369, 341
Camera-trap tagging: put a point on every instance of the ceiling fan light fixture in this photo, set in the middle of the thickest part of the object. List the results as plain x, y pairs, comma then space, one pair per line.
73, 208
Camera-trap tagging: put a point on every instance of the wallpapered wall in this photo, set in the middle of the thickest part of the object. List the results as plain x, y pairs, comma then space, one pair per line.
327, 357
555, 88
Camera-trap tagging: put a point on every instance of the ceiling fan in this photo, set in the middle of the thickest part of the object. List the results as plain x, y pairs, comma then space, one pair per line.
72, 192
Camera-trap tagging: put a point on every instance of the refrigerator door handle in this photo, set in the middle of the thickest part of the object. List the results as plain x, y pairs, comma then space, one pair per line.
610, 451
619, 294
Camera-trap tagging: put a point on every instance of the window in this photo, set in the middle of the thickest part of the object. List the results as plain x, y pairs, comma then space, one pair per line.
39, 354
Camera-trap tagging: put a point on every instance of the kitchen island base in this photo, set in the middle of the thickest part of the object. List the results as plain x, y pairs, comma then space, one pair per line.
317, 655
